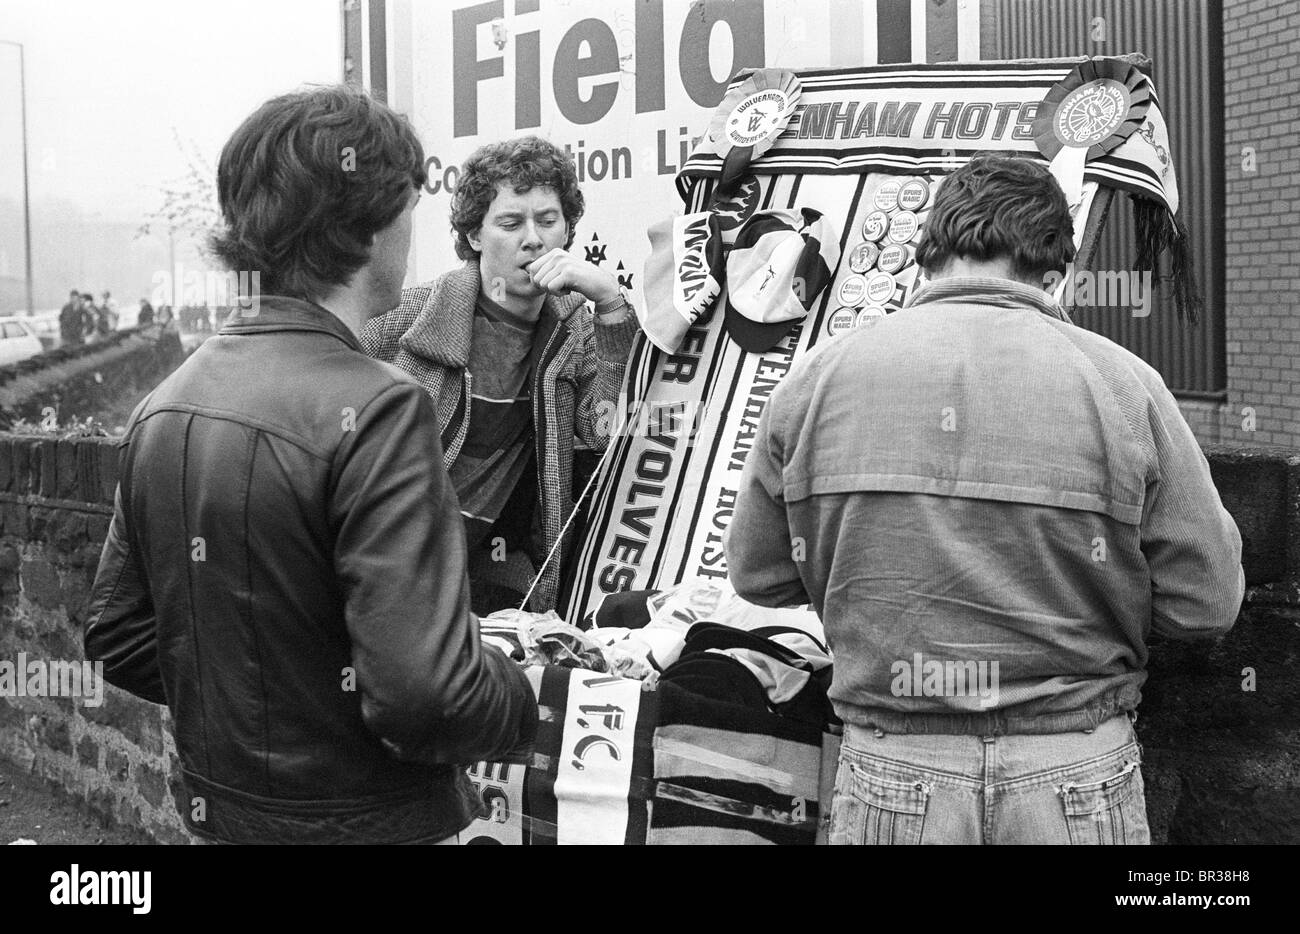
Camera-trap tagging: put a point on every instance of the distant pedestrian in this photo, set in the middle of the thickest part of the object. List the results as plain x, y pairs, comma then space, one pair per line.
105, 321
72, 329
145, 318
110, 304
90, 316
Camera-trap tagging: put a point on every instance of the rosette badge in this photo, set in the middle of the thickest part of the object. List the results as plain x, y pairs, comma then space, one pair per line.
753, 114
1089, 113
1095, 107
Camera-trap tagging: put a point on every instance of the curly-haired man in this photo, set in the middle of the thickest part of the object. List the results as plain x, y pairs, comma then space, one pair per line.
515, 362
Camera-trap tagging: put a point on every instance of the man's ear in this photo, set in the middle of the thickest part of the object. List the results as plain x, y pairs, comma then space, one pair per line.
475, 240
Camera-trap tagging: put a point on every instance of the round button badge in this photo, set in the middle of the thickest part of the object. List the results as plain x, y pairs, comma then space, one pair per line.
903, 227
758, 116
840, 321
875, 225
886, 196
863, 256
869, 315
852, 289
880, 288
893, 258
913, 195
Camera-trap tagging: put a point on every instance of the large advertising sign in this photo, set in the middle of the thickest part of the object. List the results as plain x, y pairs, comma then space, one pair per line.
626, 86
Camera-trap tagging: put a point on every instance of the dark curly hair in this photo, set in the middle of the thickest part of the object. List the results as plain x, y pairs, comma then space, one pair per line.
996, 206
306, 181
524, 163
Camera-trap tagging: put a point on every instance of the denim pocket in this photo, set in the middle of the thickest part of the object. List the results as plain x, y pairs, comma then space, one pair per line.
871, 808
1111, 809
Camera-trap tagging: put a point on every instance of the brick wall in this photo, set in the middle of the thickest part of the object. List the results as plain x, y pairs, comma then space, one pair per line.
55, 505
1261, 64
1222, 759
1206, 419
56, 499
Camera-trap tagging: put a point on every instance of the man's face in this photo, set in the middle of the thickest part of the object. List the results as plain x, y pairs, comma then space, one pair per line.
388, 256
516, 230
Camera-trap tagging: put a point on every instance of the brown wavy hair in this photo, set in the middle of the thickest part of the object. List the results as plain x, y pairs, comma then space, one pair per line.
524, 163
1000, 206
306, 181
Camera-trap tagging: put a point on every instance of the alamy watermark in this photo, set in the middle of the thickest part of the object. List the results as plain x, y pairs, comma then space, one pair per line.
208, 288
666, 422
1102, 288
947, 678
79, 886
36, 677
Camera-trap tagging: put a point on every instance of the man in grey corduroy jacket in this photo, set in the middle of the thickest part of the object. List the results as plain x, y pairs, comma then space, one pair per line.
991, 509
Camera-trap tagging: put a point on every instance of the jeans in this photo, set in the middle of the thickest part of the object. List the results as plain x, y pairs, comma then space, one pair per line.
1062, 788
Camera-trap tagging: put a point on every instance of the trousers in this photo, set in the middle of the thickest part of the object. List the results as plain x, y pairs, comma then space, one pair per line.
1059, 788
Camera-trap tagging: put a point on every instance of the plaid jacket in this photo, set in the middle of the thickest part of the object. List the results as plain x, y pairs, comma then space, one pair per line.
428, 335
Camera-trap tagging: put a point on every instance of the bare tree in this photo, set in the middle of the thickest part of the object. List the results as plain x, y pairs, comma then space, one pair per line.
189, 203
188, 209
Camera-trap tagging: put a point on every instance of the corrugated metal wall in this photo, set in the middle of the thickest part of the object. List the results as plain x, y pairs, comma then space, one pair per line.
1184, 39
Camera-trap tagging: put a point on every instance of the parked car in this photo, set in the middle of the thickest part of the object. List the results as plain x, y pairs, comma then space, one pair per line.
46, 326
18, 340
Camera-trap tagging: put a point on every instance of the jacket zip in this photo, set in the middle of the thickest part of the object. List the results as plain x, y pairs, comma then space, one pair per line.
539, 425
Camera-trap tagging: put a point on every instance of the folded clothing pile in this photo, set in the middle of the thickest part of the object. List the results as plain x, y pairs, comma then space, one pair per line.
722, 741
701, 635
698, 634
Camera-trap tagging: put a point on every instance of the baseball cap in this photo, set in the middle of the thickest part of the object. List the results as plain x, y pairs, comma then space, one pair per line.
780, 263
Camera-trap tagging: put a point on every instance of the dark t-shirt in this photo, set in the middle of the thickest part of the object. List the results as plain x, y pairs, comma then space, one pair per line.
498, 448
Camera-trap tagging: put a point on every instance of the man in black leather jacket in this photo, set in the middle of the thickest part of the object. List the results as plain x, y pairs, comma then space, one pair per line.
286, 563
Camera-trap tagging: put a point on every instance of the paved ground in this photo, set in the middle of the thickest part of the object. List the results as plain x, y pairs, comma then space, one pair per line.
31, 809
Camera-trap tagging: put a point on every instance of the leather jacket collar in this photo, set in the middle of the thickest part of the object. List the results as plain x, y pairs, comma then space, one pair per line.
283, 313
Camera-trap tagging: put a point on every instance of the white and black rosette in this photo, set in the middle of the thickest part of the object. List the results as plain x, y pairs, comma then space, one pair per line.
749, 119
1096, 107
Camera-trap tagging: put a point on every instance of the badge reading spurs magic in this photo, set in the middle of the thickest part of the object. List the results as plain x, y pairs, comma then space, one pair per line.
1095, 107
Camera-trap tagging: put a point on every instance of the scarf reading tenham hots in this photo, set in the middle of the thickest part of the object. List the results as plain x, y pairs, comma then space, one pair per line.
850, 144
